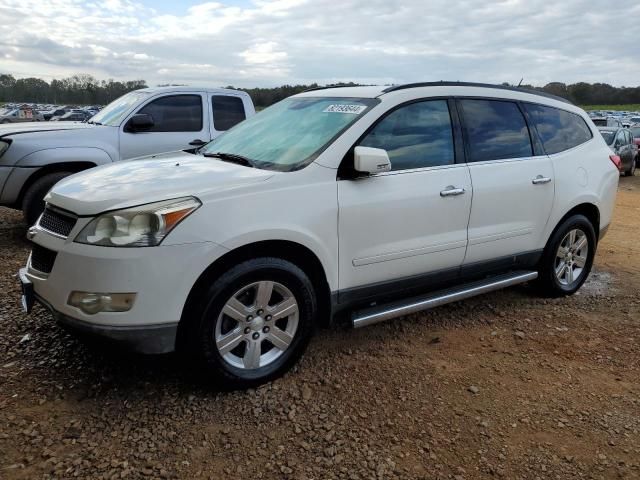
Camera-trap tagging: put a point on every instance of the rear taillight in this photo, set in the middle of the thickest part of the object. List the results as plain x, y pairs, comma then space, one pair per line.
616, 161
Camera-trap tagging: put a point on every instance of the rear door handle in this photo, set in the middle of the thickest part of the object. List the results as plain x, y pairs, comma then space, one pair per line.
540, 180
197, 142
451, 191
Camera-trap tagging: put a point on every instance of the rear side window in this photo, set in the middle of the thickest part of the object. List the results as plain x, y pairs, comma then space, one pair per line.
417, 135
227, 111
175, 113
559, 130
495, 130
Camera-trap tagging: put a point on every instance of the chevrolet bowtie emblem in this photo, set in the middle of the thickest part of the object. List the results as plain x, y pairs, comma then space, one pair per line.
31, 233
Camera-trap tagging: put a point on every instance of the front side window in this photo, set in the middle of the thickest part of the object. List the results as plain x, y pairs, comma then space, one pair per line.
291, 134
175, 113
417, 135
620, 140
559, 130
495, 130
227, 111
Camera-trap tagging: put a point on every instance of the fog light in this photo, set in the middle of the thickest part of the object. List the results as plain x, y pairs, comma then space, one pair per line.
91, 303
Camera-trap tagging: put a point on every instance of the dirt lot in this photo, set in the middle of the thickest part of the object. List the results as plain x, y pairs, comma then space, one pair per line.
506, 385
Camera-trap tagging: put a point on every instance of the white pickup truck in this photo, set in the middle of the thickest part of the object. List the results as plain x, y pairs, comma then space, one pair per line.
34, 156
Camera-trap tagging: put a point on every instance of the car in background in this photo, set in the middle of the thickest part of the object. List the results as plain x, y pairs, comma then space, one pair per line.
17, 115
606, 122
143, 122
635, 135
57, 112
73, 117
621, 144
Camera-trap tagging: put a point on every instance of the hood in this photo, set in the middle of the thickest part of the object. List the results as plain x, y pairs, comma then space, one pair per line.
30, 127
151, 179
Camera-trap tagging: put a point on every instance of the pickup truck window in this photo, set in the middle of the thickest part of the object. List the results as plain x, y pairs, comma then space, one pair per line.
175, 113
227, 111
114, 113
290, 134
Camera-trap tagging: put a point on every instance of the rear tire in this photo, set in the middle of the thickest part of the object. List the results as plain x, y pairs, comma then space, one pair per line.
630, 172
567, 258
235, 320
33, 200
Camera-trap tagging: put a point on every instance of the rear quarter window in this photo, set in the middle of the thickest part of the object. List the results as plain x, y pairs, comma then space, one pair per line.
558, 129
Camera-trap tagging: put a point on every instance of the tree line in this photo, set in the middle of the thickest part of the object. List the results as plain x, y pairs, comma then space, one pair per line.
83, 89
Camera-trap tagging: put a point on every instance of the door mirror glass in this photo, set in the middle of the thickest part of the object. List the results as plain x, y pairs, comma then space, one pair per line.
140, 122
371, 160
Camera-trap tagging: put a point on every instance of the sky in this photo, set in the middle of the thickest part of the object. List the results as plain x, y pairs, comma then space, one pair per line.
265, 43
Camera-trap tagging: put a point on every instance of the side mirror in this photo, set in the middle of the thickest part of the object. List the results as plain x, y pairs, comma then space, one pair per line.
371, 160
139, 122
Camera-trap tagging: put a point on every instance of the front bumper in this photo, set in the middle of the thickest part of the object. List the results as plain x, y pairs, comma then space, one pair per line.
161, 277
144, 339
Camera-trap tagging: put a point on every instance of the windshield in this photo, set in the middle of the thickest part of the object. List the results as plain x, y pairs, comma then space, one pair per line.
608, 136
114, 113
600, 122
292, 133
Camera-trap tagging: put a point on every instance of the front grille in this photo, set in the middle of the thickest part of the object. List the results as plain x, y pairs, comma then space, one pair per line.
42, 259
57, 222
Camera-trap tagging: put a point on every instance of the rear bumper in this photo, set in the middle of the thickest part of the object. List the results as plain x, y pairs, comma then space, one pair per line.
148, 339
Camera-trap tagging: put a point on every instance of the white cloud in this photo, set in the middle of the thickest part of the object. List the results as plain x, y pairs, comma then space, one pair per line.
270, 42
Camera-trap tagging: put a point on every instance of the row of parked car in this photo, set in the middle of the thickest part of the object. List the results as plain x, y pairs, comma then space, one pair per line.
24, 112
354, 204
621, 131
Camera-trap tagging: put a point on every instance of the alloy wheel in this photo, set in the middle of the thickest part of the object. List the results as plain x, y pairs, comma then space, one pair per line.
571, 257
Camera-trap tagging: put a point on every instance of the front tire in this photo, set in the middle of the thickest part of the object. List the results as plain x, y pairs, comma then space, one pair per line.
630, 172
568, 257
253, 322
33, 200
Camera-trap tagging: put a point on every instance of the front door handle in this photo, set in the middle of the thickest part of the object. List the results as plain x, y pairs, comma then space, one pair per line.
197, 142
451, 191
540, 180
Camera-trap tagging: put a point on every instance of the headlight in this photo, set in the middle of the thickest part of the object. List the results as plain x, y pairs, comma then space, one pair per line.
143, 226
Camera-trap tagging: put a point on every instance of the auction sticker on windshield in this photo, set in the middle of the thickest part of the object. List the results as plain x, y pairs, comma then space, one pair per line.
353, 109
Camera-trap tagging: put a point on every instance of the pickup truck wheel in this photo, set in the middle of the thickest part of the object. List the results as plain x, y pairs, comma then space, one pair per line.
33, 200
568, 257
253, 322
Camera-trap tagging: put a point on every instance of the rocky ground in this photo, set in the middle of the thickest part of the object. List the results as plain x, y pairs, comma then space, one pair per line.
507, 385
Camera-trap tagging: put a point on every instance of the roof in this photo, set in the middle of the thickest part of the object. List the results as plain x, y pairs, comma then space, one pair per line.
182, 88
609, 129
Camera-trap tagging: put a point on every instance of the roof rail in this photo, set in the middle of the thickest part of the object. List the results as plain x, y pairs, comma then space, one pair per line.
394, 88
313, 89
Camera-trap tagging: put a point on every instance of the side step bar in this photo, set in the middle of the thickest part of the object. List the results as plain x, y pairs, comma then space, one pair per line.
380, 313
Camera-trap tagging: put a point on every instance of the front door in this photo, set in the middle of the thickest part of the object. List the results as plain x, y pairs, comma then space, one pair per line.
178, 120
398, 228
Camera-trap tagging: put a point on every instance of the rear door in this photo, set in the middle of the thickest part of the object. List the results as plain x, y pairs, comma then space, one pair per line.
179, 120
513, 187
405, 228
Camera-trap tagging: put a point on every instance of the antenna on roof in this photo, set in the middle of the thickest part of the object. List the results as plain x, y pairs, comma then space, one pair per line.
520, 81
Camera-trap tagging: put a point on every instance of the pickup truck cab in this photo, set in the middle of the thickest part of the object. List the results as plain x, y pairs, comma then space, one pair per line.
35, 156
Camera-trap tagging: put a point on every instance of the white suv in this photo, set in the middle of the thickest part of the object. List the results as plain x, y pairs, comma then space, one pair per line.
369, 201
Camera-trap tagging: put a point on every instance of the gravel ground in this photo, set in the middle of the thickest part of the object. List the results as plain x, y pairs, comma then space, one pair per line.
506, 385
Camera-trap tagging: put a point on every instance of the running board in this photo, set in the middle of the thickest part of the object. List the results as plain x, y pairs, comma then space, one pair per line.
380, 313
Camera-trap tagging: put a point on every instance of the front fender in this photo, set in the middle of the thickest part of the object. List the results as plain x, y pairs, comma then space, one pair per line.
49, 156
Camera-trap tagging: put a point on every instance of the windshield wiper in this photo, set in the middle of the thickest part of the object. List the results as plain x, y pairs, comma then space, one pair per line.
231, 157
93, 123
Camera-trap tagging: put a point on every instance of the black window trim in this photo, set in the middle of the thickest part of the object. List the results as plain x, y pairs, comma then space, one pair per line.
347, 172
533, 139
203, 110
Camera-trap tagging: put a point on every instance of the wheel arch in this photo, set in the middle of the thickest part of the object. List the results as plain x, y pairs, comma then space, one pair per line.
588, 209
296, 253
73, 167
